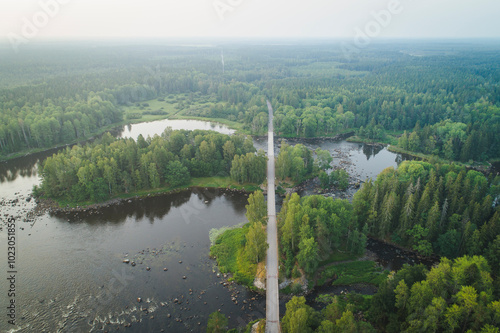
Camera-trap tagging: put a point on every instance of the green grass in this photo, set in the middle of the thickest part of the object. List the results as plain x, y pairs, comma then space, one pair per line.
229, 250
354, 272
154, 105
170, 107
434, 158
226, 248
338, 256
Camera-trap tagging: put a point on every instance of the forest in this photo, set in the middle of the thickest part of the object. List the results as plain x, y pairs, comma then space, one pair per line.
312, 227
435, 209
442, 101
441, 208
453, 296
458, 294
446, 100
110, 166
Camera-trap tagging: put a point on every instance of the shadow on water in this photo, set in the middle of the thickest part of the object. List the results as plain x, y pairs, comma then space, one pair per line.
371, 150
495, 168
155, 207
389, 257
393, 258
26, 166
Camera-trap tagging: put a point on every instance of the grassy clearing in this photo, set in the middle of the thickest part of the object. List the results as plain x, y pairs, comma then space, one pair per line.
167, 108
338, 256
354, 272
436, 159
215, 233
229, 251
396, 149
171, 109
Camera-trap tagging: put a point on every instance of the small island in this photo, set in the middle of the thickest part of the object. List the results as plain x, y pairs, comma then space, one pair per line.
113, 168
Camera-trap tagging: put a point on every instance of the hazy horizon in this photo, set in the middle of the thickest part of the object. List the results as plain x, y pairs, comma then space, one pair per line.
27, 20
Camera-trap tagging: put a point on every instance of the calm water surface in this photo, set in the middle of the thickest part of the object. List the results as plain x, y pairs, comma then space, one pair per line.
158, 127
72, 279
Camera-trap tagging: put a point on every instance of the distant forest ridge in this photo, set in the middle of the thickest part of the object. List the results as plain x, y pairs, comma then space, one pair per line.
446, 97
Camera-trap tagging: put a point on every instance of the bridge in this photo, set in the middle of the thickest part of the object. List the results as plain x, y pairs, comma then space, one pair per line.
272, 287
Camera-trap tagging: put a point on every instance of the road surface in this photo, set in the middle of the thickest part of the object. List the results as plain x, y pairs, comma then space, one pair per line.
272, 288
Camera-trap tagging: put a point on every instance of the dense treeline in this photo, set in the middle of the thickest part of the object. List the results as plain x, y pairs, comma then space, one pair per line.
454, 296
99, 170
50, 122
314, 89
58, 94
374, 112
311, 228
456, 141
249, 168
339, 178
295, 162
433, 208
341, 314
381, 91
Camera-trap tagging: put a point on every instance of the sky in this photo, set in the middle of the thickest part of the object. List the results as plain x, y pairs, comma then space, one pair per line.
23, 20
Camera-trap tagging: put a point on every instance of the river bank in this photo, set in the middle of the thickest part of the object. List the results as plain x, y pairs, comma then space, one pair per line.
197, 185
112, 128
116, 129
486, 167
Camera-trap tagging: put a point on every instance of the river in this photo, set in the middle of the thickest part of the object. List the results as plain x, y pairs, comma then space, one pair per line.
70, 271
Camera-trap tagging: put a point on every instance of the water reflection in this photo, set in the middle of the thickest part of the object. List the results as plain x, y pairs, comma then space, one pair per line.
371, 150
393, 258
159, 126
19, 167
191, 204
362, 161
